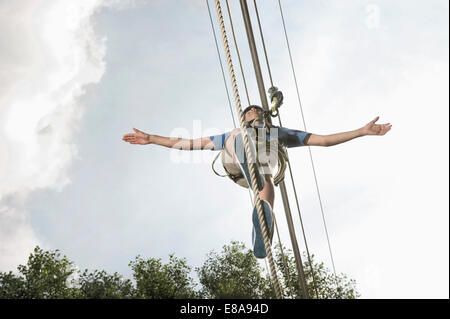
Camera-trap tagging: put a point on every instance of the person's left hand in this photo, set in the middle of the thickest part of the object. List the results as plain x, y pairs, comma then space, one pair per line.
376, 129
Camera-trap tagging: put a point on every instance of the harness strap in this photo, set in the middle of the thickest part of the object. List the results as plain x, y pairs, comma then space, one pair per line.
214, 162
239, 178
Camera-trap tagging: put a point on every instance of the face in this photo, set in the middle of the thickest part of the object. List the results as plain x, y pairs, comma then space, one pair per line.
253, 113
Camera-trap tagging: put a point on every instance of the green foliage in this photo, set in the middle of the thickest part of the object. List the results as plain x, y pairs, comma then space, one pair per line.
155, 280
100, 285
320, 282
46, 275
11, 286
233, 273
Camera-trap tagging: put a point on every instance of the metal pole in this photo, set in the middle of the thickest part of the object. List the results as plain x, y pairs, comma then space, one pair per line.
255, 59
265, 105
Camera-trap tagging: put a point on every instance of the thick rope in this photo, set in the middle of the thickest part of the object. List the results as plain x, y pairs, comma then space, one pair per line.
286, 270
252, 163
221, 67
226, 86
237, 51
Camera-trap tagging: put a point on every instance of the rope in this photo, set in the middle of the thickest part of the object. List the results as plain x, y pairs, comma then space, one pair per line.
221, 65
252, 164
238, 55
286, 270
289, 163
309, 148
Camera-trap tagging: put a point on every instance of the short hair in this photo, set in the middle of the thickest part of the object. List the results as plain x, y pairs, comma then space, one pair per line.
248, 108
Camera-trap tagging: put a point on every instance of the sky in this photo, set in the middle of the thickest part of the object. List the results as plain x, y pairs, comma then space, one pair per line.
76, 76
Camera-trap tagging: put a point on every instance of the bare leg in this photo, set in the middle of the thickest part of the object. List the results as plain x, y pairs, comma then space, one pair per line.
267, 193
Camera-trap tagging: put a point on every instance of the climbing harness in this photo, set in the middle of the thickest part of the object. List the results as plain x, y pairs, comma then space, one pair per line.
231, 169
233, 172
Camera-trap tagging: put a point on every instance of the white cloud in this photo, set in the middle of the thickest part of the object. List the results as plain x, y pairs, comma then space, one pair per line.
51, 53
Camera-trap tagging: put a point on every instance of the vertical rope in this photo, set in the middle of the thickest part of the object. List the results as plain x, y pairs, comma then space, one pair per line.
220, 62
223, 75
286, 270
252, 163
238, 54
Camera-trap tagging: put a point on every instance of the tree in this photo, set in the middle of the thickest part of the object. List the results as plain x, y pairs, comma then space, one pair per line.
320, 281
233, 273
101, 285
11, 286
46, 275
155, 280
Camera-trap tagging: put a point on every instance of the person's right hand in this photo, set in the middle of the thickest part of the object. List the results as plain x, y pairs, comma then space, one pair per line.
376, 129
137, 138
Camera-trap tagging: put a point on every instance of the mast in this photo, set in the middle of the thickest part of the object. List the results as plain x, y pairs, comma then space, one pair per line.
265, 105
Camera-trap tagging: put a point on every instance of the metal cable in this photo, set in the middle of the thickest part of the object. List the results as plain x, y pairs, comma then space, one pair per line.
289, 163
283, 256
263, 42
301, 223
309, 148
252, 163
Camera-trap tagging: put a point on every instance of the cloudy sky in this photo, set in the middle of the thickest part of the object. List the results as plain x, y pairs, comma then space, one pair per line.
75, 76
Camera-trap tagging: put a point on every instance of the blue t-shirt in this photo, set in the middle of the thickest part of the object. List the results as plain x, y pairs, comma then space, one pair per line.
288, 137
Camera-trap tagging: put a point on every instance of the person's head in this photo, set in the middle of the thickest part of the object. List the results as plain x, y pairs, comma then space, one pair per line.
252, 112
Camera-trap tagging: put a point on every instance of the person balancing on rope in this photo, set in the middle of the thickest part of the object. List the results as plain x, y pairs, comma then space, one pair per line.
265, 140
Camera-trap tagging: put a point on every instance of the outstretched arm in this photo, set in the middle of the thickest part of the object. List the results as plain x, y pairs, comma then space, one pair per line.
139, 137
333, 139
